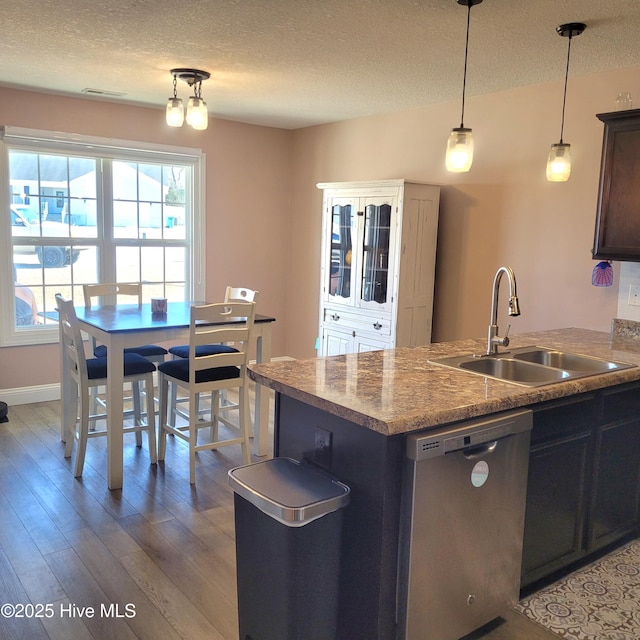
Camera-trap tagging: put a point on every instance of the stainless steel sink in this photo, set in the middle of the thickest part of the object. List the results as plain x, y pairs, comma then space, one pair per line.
564, 360
514, 370
532, 366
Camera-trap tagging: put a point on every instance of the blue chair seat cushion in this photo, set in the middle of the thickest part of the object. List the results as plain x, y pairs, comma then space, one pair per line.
182, 351
180, 369
134, 364
146, 350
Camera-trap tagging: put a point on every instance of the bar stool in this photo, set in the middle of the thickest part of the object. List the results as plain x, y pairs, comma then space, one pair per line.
210, 373
88, 373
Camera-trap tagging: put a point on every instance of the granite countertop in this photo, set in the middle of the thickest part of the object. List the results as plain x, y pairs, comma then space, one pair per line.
398, 391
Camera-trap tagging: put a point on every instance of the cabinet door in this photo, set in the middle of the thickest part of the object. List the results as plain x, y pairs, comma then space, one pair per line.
376, 253
617, 234
364, 343
336, 343
558, 486
614, 511
339, 254
616, 481
554, 521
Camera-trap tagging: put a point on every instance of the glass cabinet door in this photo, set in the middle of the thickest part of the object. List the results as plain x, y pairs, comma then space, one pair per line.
341, 268
375, 286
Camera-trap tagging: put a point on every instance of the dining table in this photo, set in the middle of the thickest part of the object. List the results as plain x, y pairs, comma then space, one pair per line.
130, 325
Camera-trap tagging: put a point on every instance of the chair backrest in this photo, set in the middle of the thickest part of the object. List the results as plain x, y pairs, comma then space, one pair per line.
210, 324
72, 344
111, 291
240, 294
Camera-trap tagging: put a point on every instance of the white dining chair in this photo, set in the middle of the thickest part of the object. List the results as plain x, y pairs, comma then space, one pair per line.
111, 293
204, 372
232, 294
88, 373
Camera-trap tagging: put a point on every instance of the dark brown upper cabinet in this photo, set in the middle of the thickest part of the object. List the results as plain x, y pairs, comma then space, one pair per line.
617, 234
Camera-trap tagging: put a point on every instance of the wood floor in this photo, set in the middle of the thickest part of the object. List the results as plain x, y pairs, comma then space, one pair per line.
154, 560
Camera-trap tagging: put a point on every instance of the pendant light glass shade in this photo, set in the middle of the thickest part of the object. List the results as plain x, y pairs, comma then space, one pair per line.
197, 115
200, 120
192, 105
559, 162
459, 150
175, 112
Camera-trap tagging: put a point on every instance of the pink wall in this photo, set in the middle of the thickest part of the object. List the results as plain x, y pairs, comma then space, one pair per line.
264, 211
503, 212
248, 202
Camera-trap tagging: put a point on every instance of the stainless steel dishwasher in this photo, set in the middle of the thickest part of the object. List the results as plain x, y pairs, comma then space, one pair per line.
462, 521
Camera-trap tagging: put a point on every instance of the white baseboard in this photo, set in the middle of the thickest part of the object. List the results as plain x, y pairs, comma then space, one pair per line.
47, 392
28, 395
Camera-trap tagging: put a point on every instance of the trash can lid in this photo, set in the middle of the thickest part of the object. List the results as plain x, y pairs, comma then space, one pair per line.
295, 494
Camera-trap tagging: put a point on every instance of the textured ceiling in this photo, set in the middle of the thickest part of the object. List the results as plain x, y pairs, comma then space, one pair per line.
294, 63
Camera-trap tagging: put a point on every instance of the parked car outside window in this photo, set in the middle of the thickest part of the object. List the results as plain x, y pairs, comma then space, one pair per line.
26, 222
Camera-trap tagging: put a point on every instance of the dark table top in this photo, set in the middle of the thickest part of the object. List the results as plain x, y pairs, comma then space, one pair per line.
131, 317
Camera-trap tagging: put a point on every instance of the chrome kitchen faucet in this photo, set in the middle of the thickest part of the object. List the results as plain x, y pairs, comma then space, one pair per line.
494, 340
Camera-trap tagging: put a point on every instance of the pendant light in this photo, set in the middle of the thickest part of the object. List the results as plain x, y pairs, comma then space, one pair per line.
559, 161
460, 145
197, 113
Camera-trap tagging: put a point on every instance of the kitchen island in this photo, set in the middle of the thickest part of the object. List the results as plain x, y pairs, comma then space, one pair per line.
351, 415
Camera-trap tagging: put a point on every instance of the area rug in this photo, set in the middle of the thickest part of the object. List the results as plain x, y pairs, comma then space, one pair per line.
599, 602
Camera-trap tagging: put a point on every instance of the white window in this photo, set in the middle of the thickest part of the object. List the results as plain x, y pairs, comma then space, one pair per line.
81, 210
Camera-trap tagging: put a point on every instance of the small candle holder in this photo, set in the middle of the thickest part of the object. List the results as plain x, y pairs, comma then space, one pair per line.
158, 308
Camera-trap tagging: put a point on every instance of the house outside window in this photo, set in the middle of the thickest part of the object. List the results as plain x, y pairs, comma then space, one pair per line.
82, 210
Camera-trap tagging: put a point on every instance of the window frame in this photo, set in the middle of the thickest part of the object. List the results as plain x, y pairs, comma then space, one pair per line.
40, 141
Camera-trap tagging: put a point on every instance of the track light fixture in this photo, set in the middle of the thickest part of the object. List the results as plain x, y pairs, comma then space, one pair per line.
197, 114
460, 146
559, 161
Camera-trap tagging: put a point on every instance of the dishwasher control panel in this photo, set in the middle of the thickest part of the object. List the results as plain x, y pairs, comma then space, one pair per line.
467, 434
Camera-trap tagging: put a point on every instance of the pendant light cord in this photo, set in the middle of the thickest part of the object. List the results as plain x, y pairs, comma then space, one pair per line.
466, 55
564, 98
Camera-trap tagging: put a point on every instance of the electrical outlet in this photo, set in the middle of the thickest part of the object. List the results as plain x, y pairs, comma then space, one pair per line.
634, 295
322, 451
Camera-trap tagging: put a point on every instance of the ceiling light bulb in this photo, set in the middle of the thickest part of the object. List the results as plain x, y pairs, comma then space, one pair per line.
175, 112
192, 105
460, 150
200, 117
559, 163
197, 114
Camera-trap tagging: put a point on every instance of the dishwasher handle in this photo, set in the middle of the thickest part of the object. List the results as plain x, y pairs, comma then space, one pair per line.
473, 453
468, 436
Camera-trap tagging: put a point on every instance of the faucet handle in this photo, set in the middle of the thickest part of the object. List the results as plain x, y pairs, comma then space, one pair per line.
505, 340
